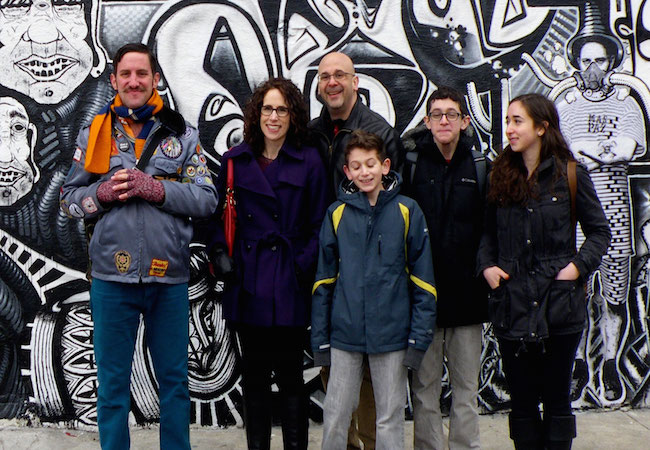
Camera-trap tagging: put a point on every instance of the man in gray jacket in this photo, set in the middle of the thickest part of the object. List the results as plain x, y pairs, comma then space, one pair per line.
139, 250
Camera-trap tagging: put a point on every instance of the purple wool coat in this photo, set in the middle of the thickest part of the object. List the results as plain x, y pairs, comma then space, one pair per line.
279, 214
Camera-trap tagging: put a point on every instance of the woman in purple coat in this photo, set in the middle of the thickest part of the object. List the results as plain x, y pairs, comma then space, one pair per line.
280, 191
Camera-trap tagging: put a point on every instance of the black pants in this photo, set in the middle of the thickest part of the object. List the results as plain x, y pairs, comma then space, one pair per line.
540, 372
277, 350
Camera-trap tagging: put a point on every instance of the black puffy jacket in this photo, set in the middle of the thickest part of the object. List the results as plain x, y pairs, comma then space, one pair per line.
532, 243
453, 205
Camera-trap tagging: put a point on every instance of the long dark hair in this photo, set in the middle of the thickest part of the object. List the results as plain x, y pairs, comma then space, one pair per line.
509, 181
297, 134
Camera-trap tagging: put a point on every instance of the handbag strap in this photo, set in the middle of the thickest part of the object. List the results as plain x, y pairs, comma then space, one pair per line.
573, 189
230, 176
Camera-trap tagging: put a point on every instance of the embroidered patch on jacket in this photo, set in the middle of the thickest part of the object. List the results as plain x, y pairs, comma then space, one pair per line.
64, 207
89, 205
198, 148
122, 260
202, 159
158, 267
190, 171
195, 159
75, 211
77, 155
171, 147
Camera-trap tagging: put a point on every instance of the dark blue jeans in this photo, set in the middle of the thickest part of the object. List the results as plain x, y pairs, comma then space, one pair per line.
116, 309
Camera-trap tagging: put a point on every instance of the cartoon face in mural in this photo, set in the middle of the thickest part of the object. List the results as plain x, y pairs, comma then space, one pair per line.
18, 173
44, 49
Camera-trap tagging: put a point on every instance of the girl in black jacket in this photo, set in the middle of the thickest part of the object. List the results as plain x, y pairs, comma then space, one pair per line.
528, 257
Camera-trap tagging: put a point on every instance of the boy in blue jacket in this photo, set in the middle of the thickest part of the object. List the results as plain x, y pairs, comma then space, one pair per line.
374, 295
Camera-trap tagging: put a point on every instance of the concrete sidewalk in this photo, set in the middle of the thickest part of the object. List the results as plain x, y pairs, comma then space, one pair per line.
623, 429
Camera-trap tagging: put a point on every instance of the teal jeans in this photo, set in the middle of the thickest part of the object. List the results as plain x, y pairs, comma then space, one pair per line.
116, 309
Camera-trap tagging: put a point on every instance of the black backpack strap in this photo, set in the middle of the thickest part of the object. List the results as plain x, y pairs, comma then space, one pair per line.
480, 162
411, 160
149, 150
171, 122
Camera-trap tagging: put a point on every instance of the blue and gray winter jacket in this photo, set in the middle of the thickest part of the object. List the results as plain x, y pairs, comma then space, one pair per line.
374, 290
136, 241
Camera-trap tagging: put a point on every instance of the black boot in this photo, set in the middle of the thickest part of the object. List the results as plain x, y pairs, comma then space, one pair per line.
559, 431
295, 421
257, 419
526, 433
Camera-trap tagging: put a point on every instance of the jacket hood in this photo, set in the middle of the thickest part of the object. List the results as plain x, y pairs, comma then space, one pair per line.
349, 192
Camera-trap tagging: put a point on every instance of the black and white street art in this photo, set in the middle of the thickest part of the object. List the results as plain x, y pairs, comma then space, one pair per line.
591, 57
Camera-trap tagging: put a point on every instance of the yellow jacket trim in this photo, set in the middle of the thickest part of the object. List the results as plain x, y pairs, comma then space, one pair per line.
336, 216
325, 281
407, 219
424, 285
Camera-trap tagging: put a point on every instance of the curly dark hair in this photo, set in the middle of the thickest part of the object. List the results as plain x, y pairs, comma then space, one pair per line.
509, 181
298, 132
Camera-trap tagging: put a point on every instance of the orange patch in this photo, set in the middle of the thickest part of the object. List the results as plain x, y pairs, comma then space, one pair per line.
158, 267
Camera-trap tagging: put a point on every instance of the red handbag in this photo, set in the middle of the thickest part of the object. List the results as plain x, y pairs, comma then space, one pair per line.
229, 212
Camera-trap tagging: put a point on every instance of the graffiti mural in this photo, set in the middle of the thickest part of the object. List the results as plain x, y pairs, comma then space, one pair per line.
592, 58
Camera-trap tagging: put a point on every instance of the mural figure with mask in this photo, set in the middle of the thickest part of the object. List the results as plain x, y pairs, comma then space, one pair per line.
604, 127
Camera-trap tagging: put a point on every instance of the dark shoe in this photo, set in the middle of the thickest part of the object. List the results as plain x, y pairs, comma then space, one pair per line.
526, 433
559, 432
295, 421
257, 420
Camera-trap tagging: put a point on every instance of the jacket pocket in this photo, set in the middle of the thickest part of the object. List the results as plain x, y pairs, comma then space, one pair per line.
566, 305
499, 306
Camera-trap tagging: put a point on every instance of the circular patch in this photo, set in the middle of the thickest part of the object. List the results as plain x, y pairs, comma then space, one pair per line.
202, 159
199, 180
187, 180
208, 180
122, 260
200, 170
171, 147
195, 159
190, 171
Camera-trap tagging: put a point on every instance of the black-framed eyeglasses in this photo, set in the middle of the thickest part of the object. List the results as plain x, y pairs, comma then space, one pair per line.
281, 111
339, 76
451, 116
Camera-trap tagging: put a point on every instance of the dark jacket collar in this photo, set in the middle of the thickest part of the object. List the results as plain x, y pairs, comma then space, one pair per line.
248, 172
324, 122
172, 120
424, 143
350, 194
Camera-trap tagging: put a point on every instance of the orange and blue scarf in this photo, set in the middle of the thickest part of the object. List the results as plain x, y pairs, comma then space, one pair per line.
98, 152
